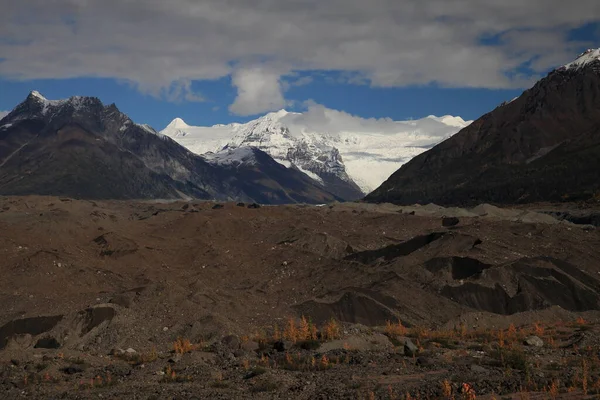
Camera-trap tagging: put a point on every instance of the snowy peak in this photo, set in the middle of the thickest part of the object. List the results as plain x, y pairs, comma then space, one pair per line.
587, 57
330, 146
37, 95
177, 123
451, 120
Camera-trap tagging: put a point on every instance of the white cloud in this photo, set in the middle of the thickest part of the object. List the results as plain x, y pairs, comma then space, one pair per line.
3, 114
259, 90
318, 118
163, 46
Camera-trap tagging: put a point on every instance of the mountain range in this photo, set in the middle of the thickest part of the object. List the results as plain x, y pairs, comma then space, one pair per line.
542, 146
83, 149
349, 156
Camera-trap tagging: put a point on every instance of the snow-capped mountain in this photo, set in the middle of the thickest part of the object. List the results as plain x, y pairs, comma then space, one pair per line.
330, 146
78, 147
543, 146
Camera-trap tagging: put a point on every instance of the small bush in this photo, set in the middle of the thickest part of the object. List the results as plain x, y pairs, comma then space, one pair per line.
514, 359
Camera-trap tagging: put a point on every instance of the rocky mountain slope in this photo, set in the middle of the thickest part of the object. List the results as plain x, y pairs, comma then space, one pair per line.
80, 148
542, 146
348, 155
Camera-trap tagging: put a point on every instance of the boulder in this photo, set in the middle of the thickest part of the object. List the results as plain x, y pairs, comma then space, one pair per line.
410, 349
450, 221
533, 341
232, 342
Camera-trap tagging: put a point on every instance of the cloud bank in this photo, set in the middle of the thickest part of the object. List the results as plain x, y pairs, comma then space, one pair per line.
163, 46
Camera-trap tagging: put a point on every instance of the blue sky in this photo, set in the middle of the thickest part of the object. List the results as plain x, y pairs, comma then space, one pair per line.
157, 64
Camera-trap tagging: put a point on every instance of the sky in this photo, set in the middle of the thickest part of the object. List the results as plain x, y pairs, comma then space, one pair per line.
219, 61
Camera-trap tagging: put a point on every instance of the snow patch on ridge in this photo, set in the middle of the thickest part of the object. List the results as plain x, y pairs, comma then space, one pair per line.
588, 56
242, 155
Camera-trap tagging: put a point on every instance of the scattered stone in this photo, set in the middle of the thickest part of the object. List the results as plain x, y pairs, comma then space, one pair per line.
533, 341
450, 221
130, 351
217, 206
410, 349
165, 329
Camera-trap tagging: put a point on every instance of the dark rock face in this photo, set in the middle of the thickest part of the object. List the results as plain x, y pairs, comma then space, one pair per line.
82, 149
543, 146
450, 221
541, 283
93, 317
32, 326
395, 250
47, 343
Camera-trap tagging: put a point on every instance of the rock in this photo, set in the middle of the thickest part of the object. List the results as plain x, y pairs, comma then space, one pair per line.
282, 345
241, 204
130, 351
47, 343
424, 362
533, 341
410, 349
217, 206
450, 221
250, 346
231, 341
253, 205
478, 369
72, 369
117, 352
175, 359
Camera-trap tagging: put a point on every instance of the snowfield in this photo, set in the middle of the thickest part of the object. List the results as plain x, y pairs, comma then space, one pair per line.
321, 140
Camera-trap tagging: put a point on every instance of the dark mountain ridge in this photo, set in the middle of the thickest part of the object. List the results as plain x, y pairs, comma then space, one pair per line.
82, 149
542, 146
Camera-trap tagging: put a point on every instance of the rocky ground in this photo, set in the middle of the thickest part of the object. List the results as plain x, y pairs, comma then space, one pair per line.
198, 300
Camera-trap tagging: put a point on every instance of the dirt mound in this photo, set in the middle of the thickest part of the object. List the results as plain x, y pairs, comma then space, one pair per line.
538, 284
390, 252
352, 307
27, 326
